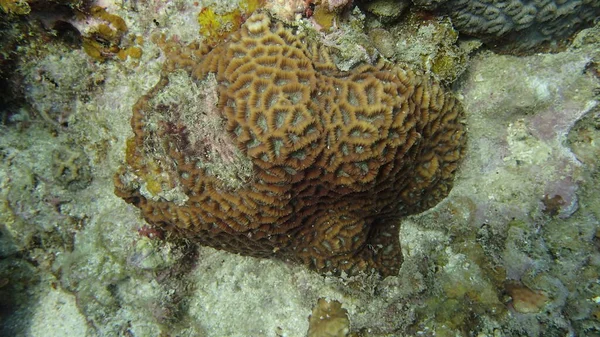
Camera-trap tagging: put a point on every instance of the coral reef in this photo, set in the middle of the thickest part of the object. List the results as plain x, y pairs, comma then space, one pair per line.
288, 10
524, 205
25, 7
15, 7
25, 37
335, 5
324, 19
32, 237
217, 25
55, 94
104, 40
328, 319
387, 10
525, 23
336, 157
347, 43
511, 251
71, 169
430, 44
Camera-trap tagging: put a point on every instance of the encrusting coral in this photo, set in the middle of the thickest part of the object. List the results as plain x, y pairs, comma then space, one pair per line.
328, 319
262, 147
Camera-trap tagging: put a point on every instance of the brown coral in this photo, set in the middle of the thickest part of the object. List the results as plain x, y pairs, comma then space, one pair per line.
525, 300
262, 147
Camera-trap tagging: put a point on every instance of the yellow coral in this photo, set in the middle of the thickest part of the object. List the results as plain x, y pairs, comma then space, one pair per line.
116, 21
335, 157
104, 40
19, 7
215, 27
328, 319
133, 52
324, 18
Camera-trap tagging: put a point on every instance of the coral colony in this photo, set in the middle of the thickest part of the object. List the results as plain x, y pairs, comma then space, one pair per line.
321, 163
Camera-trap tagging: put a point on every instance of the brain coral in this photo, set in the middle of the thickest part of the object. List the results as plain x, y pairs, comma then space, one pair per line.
525, 23
262, 147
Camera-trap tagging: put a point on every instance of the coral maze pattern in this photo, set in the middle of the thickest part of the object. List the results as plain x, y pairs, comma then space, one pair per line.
335, 157
527, 22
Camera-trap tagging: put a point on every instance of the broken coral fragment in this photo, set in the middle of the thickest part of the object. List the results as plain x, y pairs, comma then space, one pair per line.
262, 147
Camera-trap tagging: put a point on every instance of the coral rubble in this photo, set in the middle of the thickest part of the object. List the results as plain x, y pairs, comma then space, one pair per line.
263, 147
